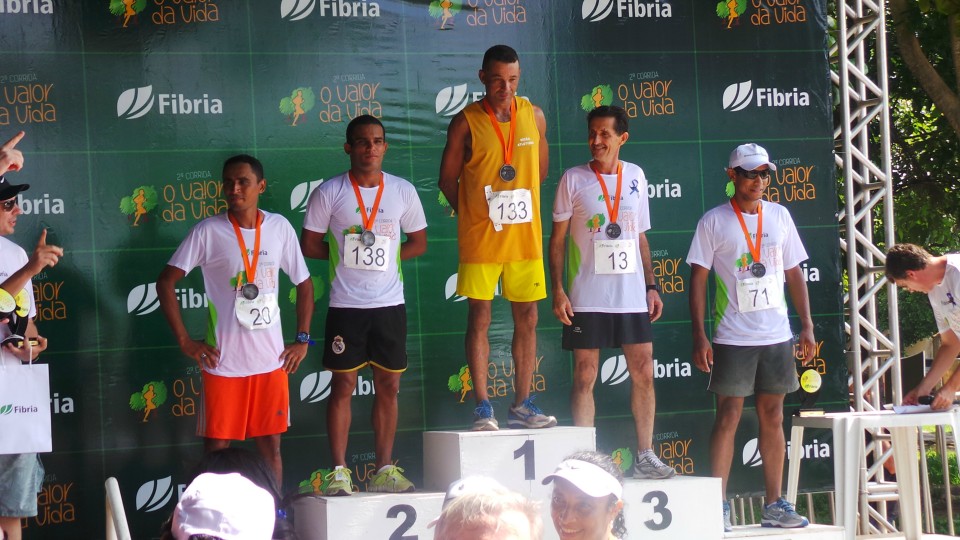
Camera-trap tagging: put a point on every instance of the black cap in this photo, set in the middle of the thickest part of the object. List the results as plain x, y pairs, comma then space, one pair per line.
8, 190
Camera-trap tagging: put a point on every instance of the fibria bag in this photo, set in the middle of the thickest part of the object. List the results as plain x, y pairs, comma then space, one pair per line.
24, 407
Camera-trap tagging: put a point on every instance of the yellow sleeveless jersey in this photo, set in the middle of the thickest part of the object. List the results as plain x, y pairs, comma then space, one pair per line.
479, 242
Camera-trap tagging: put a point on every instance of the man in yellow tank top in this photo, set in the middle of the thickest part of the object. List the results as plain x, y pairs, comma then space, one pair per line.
495, 159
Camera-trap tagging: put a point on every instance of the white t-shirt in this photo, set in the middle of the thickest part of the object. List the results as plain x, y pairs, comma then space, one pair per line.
13, 258
212, 245
580, 200
333, 208
945, 297
719, 244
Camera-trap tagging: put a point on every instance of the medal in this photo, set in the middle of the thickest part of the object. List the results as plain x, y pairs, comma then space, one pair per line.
757, 269
250, 291
367, 238
507, 172
613, 230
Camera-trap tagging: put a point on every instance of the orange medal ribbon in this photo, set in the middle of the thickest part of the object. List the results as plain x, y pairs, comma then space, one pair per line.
613, 210
367, 220
507, 145
754, 249
250, 266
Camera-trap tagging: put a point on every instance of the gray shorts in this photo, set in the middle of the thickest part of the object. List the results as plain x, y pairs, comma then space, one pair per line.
21, 476
740, 371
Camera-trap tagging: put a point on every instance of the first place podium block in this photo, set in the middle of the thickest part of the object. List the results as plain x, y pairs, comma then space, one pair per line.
517, 458
367, 516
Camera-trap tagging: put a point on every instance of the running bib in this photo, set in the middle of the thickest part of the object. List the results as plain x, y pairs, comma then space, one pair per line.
756, 294
361, 257
614, 256
509, 207
258, 314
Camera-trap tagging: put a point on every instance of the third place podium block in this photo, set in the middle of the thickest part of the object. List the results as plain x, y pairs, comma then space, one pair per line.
681, 508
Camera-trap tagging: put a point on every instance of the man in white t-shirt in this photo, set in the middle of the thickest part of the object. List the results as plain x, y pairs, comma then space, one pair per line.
753, 247
20, 474
913, 268
613, 297
355, 220
244, 359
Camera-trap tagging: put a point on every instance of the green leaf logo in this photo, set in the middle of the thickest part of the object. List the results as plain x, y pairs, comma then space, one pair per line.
6, 409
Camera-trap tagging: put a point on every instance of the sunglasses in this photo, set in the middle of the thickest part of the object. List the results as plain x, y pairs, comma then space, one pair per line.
8, 205
753, 175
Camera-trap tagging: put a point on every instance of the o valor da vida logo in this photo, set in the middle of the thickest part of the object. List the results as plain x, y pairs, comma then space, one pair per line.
135, 103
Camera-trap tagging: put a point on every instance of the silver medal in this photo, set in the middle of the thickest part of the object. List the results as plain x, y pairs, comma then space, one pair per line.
758, 269
507, 173
250, 291
613, 230
367, 238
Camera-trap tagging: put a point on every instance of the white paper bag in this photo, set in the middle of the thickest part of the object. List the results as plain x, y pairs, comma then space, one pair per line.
25, 409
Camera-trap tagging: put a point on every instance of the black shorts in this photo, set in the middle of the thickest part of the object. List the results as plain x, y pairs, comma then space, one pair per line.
356, 337
595, 330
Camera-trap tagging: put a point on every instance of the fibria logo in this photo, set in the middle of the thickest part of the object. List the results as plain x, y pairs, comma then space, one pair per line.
26, 7
739, 96
453, 99
598, 10
155, 494
143, 299
134, 103
296, 10
301, 195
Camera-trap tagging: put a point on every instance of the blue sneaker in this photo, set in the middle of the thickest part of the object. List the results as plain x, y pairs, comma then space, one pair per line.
528, 415
483, 419
727, 524
780, 513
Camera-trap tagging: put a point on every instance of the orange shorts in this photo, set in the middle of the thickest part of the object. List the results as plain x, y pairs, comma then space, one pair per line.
237, 408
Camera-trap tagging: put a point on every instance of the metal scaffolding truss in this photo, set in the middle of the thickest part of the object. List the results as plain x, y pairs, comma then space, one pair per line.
860, 81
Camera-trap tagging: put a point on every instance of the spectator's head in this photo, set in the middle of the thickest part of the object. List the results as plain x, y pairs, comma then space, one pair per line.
587, 500
224, 507
904, 264
495, 514
9, 209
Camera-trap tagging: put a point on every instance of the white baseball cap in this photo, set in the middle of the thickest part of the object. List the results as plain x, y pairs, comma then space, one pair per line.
228, 506
588, 478
750, 156
467, 485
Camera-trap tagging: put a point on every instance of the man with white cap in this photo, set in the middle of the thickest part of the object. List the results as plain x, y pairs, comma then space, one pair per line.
224, 506
20, 474
587, 499
753, 247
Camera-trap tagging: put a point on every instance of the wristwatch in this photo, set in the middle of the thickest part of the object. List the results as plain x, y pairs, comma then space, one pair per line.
302, 337
654, 287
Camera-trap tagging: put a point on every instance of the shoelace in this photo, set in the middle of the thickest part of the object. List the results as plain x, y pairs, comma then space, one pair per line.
785, 506
529, 405
483, 410
335, 472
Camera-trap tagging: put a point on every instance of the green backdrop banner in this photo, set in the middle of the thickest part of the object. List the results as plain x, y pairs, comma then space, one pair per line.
131, 106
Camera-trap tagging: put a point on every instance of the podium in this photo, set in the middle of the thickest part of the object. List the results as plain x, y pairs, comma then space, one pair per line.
367, 516
517, 458
683, 507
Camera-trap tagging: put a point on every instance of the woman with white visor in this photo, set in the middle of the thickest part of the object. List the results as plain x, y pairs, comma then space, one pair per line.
587, 500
